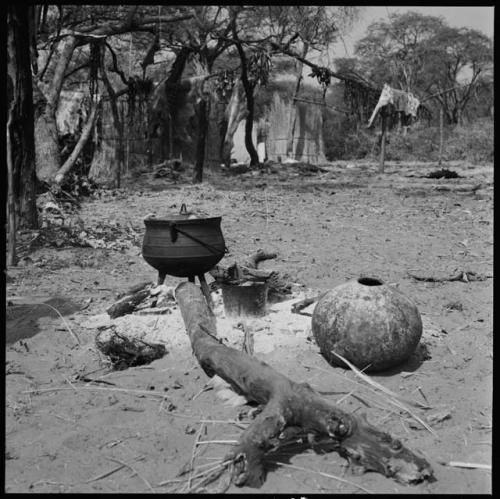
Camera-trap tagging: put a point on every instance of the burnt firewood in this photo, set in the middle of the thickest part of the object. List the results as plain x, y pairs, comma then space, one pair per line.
287, 405
442, 173
297, 307
127, 351
462, 276
134, 289
128, 303
259, 256
278, 284
239, 273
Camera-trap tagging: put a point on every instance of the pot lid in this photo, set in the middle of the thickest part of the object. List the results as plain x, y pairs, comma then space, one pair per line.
184, 214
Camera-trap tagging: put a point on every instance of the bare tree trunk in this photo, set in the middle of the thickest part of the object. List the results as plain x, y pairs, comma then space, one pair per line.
87, 129
254, 157
104, 161
164, 103
235, 112
203, 68
118, 125
11, 202
249, 88
20, 132
201, 141
48, 158
293, 108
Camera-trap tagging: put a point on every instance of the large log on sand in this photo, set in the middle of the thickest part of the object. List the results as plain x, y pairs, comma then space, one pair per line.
288, 407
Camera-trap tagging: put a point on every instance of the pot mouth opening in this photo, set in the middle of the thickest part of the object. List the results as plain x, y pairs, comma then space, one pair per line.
370, 281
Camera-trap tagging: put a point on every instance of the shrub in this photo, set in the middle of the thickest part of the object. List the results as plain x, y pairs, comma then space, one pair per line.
472, 142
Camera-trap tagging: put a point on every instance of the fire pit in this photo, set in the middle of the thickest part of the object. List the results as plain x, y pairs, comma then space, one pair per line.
183, 245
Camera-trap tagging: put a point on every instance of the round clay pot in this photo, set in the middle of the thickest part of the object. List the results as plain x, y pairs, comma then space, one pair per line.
368, 323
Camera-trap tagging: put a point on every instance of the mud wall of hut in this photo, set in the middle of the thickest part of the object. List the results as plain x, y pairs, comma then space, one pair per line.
146, 144
142, 148
272, 128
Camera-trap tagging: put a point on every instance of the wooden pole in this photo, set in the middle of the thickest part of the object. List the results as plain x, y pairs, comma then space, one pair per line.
441, 119
293, 107
206, 291
382, 139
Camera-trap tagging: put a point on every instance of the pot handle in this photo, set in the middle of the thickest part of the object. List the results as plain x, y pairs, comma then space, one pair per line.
183, 209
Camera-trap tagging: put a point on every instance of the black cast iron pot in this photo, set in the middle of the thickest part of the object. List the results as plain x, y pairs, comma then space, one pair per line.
183, 246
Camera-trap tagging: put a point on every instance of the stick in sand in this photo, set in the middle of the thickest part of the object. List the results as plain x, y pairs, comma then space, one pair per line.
378, 385
148, 485
65, 322
459, 464
397, 402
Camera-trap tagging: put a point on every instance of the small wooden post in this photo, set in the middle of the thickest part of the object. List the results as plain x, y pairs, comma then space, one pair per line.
441, 119
382, 139
206, 291
292, 122
170, 137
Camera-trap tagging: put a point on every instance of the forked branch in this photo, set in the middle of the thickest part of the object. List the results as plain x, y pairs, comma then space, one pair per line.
288, 406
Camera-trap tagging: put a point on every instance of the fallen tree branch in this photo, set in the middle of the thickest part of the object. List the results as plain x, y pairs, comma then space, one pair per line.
287, 405
87, 129
441, 187
463, 276
259, 256
297, 307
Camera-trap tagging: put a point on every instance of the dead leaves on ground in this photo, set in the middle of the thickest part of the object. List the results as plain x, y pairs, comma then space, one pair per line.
110, 235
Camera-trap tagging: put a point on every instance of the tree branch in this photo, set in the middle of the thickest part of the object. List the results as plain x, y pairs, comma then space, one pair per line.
75, 70
87, 129
63, 61
353, 77
115, 68
49, 58
85, 34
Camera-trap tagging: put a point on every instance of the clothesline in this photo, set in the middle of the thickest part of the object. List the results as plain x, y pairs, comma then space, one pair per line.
440, 93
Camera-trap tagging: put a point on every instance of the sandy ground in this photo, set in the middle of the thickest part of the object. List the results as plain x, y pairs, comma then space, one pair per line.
133, 430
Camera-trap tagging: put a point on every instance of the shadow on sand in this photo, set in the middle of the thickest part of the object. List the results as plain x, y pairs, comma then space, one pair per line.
22, 318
